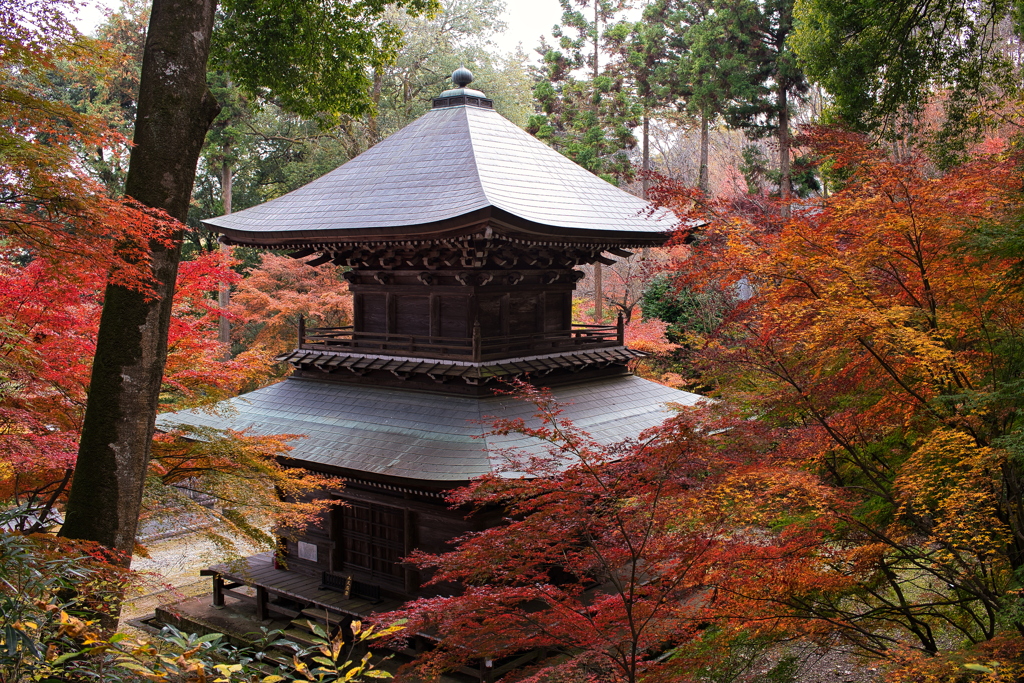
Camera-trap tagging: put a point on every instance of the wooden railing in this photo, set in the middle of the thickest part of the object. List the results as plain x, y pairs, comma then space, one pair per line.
475, 348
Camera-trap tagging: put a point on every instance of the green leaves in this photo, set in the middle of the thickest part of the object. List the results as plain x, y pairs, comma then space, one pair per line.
883, 61
314, 58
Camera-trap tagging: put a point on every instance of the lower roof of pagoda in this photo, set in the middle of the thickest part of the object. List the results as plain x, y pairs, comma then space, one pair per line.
416, 436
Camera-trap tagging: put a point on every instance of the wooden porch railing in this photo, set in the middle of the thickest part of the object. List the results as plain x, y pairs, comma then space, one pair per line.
478, 347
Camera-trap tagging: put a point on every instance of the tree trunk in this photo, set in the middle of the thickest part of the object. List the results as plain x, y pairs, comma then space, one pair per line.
372, 127
703, 183
226, 182
175, 111
647, 156
785, 182
224, 294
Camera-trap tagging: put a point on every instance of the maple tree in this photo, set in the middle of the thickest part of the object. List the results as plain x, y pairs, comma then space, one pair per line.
59, 225
883, 343
604, 557
857, 479
49, 204
64, 235
625, 280
271, 299
48, 337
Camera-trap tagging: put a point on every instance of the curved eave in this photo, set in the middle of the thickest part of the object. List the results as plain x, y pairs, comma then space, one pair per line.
501, 222
401, 436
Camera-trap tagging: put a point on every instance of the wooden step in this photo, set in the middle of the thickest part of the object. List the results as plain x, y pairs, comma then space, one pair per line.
300, 635
321, 616
280, 609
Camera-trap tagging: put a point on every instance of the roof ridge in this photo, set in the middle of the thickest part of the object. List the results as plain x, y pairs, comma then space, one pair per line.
472, 149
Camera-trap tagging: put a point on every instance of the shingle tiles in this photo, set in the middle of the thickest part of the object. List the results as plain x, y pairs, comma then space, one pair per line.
425, 436
450, 162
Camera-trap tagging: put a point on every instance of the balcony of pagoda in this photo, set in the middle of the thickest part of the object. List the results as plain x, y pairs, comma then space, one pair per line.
480, 347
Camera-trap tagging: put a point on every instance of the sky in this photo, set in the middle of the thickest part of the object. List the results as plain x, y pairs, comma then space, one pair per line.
526, 19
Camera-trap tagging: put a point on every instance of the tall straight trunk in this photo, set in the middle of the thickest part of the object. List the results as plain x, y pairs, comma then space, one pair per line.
372, 125
647, 154
785, 180
598, 274
703, 183
224, 294
175, 111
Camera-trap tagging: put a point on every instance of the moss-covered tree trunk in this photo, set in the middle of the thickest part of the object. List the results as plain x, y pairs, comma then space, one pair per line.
175, 111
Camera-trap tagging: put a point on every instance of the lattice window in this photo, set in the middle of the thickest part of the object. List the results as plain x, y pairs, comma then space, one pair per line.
373, 538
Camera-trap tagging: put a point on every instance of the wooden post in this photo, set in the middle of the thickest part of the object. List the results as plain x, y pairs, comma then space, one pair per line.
218, 590
261, 603
224, 292
620, 329
477, 341
223, 301
408, 544
598, 294
646, 180
302, 329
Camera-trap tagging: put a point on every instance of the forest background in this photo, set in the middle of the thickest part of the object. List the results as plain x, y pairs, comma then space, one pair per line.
852, 300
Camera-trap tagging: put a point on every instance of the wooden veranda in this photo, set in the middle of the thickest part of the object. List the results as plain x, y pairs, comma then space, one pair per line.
271, 584
306, 598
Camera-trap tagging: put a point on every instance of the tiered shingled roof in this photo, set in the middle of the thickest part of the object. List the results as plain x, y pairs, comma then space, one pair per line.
452, 167
465, 179
426, 437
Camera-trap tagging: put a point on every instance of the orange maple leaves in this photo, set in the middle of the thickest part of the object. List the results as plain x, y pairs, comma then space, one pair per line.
269, 302
881, 338
49, 204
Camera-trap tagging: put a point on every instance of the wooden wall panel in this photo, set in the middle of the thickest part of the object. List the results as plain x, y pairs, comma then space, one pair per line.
554, 311
522, 313
412, 315
490, 314
453, 314
373, 308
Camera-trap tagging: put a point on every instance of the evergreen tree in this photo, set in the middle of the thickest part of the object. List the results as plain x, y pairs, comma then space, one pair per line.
636, 49
762, 98
710, 58
589, 119
883, 62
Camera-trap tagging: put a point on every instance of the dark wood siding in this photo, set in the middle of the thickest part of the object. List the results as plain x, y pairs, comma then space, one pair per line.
555, 311
490, 315
412, 315
522, 313
373, 308
453, 314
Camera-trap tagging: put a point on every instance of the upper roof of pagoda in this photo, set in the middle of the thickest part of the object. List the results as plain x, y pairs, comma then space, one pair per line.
458, 166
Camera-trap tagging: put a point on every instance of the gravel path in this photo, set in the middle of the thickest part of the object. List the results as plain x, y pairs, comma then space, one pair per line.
171, 572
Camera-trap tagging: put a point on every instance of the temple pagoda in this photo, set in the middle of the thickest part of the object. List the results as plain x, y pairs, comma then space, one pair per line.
462, 235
